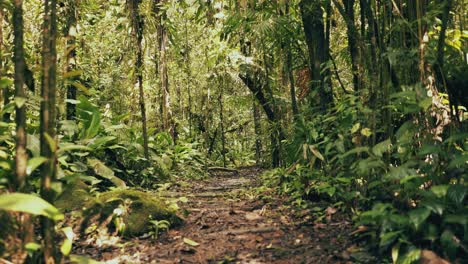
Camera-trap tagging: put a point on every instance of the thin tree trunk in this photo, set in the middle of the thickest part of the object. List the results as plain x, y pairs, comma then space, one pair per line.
48, 123
221, 122
21, 158
137, 32
70, 32
289, 68
165, 103
6, 90
257, 128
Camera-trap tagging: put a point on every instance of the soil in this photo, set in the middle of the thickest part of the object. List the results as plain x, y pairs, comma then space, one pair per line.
226, 221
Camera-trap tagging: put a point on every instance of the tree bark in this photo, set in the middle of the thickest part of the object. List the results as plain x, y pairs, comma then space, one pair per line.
21, 158
48, 123
257, 128
137, 32
312, 19
70, 36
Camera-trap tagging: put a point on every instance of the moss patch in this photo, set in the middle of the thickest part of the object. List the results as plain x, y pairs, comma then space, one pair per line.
138, 208
75, 196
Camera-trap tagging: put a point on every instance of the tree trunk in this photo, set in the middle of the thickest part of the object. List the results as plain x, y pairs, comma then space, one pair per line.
70, 36
347, 12
21, 158
312, 18
48, 123
221, 123
6, 90
137, 32
166, 100
257, 128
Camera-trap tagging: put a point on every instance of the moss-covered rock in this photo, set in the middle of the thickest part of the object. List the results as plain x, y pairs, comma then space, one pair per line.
75, 196
134, 208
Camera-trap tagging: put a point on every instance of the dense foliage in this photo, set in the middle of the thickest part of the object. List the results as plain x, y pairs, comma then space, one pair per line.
361, 104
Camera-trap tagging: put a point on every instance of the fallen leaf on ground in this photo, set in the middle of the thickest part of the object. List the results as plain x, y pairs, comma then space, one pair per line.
190, 242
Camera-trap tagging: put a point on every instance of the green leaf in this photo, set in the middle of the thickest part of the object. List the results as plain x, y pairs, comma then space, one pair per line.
457, 193
440, 190
190, 242
27, 203
102, 170
32, 247
424, 104
395, 251
418, 216
5, 82
316, 152
410, 257
449, 244
70, 146
34, 145
68, 242
73, 73
459, 161
34, 163
461, 219
355, 128
20, 101
50, 141
366, 132
387, 239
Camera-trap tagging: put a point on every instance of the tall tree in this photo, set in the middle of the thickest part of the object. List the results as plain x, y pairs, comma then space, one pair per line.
70, 31
314, 29
21, 158
164, 77
138, 25
48, 122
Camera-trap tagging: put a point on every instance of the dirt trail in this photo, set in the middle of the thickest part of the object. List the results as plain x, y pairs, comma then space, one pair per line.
230, 225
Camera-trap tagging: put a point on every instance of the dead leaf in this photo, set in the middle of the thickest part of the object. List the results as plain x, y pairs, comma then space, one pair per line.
252, 216
429, 257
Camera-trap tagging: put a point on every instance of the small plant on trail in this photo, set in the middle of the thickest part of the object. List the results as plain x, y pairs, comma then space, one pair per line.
157, 227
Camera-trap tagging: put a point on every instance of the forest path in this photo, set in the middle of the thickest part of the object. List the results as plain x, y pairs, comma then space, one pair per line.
230, 223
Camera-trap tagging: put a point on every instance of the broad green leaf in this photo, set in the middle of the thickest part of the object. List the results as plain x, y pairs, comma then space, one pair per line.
440, 190
410, 257
459, 161
20, 101
32, 247
70, 146
418, 216
424, 104
387, 239
68, 242
457, 193
449, 244
355, 128
366, 132
190, 242
27, 203
34, 145
34, 163
5, 82
102, 170
461, 219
